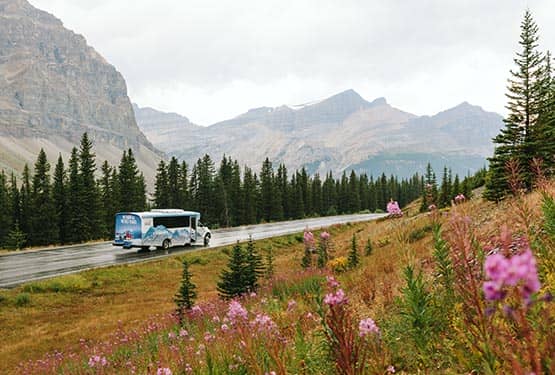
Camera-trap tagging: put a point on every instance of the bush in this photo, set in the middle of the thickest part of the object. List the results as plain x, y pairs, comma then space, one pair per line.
22, 299
419, 233
338, 265
64, 284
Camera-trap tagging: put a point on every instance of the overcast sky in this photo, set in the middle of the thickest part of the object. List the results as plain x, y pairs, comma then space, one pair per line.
212, 60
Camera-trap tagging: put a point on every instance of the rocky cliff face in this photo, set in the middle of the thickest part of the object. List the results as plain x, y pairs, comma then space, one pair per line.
52, 84
346, 132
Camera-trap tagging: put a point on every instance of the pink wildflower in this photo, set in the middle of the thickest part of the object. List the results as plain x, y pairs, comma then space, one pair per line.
188, 368
367, 326
460, 198
196, 310
325, 235
336, 298
332, 283
393, 209
291, 305
172, 335
264, 323
390, 369
97, 361
236, 311
163, 371
209, 337
308, 238
183, 333
224, 327
432, 207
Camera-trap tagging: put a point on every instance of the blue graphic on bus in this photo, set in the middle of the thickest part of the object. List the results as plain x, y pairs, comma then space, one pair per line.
128, 227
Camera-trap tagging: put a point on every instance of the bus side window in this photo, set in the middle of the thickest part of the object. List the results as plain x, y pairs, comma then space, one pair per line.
194, 223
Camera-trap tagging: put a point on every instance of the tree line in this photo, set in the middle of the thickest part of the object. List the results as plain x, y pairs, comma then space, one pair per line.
77, 203
72, 205
229, 195
525, 147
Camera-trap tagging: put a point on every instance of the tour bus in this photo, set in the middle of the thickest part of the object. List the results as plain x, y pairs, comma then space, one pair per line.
160, 228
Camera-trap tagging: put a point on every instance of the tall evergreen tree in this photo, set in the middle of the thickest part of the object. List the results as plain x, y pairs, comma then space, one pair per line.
90, 217
519, 138
5, 208
44, 230
107, 199
174, 191
75, 206
161, 187
59, 195
25, 196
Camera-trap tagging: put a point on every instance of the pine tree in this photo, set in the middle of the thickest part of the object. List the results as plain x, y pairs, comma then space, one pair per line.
174, 191
232, 280
368, 248
44, 230
107, 199
59, 195
161, 187
353, 259
519, 139
75, 205
5, 212
16, 238
254, 267
90, 217
250, 197
15, 201
26, 201
186, 295
131, 186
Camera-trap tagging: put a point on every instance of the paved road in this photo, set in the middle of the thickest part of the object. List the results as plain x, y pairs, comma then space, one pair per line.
16, 269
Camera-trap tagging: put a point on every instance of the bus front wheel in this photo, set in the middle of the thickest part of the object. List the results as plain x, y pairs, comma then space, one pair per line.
206, 240
166, 244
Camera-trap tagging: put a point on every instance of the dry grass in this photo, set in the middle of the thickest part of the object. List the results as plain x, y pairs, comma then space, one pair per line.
92, 304
124, 296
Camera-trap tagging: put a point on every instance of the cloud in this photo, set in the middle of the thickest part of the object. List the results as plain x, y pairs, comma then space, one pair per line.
211, 60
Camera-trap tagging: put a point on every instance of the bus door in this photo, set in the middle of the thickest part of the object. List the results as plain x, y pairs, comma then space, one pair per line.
193, 228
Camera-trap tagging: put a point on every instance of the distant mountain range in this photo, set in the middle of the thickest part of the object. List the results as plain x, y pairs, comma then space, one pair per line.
53, 88
340, 133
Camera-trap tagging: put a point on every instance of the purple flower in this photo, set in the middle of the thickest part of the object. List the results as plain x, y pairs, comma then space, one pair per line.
336, 298
496, 266
366, 327
308, 239
97, 361
325, 235
163, 371
493, 291
236, 311
332, 283
390, 369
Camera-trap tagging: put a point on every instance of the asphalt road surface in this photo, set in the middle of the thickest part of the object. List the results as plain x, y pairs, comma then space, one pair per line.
19, 268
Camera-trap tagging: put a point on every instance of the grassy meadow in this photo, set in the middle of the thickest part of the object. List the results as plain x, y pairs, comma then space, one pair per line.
415, 304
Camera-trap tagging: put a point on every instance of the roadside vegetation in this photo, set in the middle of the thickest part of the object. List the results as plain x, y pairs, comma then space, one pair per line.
450, 285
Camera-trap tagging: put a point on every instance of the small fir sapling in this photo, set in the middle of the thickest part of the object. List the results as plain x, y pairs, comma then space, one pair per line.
353, 254
186, 295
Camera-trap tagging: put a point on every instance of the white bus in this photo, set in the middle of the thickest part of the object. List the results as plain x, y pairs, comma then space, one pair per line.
160, 228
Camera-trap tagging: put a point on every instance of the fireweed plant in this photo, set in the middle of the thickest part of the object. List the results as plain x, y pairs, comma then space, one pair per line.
476, 298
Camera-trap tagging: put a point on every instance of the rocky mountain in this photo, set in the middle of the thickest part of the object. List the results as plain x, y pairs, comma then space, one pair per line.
345, 132
54, 87
160, 127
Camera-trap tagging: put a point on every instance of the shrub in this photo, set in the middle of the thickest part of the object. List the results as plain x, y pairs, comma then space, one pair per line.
338, 265
22, 299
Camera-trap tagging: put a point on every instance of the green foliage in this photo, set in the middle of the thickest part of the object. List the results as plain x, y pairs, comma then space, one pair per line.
417, 318
548, 208
64, 284
444, 269
419, 233
353, 258
186, 295
368, 247
22, 299
306, 260
269, 262
233, 282
307, 287
528, 131
15, 239
254, 267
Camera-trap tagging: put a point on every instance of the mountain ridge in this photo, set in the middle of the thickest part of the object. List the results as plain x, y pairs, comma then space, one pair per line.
343, 132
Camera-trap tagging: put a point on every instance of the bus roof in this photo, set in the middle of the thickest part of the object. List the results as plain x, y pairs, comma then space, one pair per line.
162, 213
